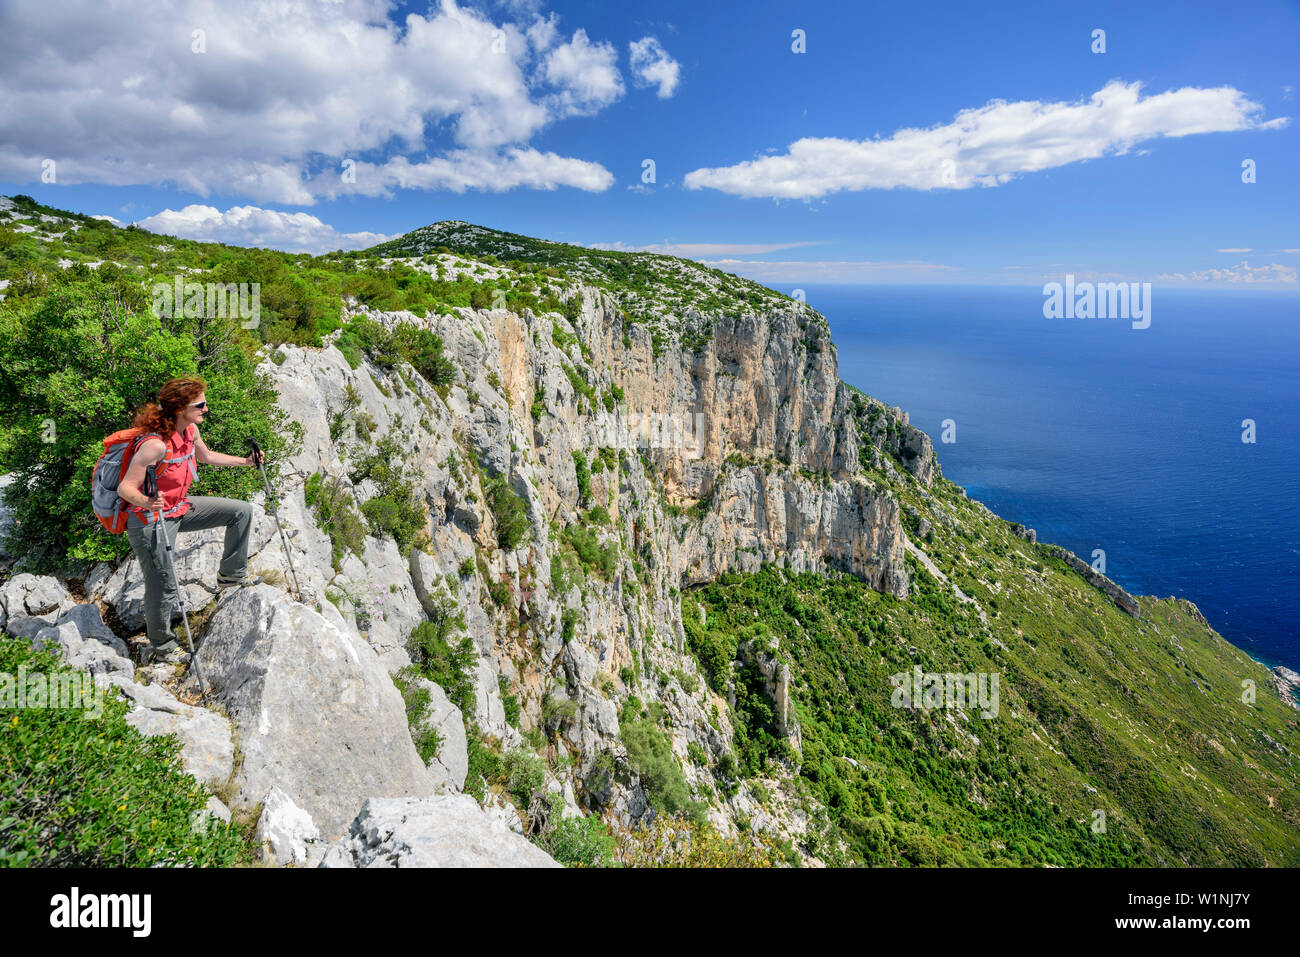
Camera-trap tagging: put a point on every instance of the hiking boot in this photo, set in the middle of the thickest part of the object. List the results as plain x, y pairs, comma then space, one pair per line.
245, 581
169, 653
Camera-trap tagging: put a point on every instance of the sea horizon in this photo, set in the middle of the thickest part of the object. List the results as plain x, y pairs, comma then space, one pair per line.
1100, 436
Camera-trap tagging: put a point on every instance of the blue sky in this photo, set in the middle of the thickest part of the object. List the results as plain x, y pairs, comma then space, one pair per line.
143, 127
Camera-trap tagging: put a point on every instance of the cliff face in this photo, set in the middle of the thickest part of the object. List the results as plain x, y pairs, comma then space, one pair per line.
747, 451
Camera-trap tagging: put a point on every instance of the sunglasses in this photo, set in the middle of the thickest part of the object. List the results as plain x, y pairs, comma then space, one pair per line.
199, 405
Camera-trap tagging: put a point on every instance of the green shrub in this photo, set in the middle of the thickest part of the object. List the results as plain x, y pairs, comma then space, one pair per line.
592, 555
416, 698
335, 515
395, 514
583, 840
393, 511
525, 773
650, 753
404, 342
583, 472
500, 592
509, 510
423, 349
555, 711
508, 701
81, 791
697, 755
450, 666
484, 763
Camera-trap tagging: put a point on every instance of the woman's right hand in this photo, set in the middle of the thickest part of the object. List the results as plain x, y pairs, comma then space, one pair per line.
155, 503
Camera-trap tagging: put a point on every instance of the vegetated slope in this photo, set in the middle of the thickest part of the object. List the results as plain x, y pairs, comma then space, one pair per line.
661, 291
1142, 721
590, 576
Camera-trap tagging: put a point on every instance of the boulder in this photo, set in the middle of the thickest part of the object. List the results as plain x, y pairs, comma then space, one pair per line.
78, 652
317, 713
206, 748
198, 558
34, 596
287, 833
90, 624
489, 709
444, 831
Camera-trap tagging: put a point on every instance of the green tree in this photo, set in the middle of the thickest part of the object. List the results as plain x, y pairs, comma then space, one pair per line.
75, 361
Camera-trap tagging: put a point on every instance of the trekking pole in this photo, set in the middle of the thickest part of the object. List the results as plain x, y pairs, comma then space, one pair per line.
275, 511
160, 528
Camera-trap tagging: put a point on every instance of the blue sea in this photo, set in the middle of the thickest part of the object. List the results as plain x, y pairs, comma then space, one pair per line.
1101, 436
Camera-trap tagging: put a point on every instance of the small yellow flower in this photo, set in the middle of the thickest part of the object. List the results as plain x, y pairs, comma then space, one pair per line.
122, 808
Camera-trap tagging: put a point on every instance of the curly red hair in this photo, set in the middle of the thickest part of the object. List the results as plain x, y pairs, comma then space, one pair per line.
174, 396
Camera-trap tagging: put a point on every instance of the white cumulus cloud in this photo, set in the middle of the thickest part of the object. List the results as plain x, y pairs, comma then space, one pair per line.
282, 93
586, 74
1243, 272
652, 66
253, 226
988, 145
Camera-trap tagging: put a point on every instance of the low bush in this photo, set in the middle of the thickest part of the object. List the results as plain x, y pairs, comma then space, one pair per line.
83, 791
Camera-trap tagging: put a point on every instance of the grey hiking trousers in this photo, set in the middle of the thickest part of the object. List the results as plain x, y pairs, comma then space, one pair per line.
159, 585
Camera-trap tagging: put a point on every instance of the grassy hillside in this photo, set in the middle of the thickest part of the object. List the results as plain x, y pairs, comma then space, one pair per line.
1140, 719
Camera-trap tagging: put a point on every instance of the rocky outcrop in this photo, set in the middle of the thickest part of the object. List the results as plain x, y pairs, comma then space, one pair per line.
32, 596
83, 640
442, 831
1126, 602
315, 712
207, 751
743, 449
1287, 683
286, 832
197, 556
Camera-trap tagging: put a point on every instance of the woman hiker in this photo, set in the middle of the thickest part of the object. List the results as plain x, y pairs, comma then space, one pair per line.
171, 441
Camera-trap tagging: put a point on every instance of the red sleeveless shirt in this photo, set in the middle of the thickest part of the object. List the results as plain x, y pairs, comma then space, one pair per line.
175, 473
